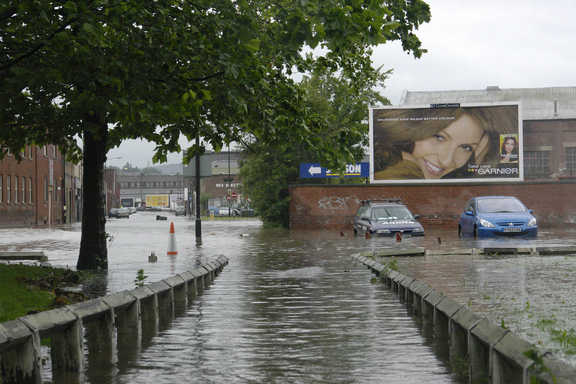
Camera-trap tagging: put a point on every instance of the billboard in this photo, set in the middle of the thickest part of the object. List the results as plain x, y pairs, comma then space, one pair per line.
314, 170
158, 201
446, 143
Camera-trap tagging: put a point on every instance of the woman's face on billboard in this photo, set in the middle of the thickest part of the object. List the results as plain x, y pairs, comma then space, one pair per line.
509, 145
450, 148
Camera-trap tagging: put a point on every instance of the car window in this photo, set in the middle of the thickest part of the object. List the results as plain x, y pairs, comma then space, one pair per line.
391, 213
500, 206
363, 213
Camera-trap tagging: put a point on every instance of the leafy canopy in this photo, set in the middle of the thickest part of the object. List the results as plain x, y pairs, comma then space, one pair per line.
336, 116
157, 69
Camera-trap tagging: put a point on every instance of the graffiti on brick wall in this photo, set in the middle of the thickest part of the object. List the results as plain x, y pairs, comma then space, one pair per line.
336, 202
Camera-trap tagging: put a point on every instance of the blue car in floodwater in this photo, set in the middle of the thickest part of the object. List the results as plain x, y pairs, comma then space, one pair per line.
496, 216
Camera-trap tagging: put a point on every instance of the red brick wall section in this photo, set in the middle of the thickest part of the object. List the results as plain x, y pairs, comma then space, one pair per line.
333, 206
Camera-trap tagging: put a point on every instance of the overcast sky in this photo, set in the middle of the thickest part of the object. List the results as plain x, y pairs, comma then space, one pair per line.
471, 45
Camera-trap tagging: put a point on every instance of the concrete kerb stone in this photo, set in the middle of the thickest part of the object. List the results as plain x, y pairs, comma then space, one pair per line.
222, 259
91, 308
47, 320
119, 299
160, 287
187, 276
433, 298
395, 276
514, 349
556, 250
420, 288
488, 333
416, 251
141, 293
199, 272
23, 255
206, 269
15, 332
465, 319
175, 281
380, 268
3, 336
448, 307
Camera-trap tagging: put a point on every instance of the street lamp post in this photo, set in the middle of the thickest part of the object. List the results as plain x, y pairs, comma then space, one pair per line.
198, 219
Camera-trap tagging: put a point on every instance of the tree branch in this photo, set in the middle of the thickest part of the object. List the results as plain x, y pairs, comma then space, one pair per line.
208, 77
11, 63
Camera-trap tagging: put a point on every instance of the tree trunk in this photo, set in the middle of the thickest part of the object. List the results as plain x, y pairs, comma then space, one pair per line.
93, 252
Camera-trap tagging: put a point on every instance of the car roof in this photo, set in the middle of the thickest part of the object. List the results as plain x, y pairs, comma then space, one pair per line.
382, 202
495, 197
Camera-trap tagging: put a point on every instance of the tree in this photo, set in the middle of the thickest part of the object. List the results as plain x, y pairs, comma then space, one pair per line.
337, 116
108, 70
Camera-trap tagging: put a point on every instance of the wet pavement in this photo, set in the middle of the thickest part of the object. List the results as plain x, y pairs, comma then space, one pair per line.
292, 307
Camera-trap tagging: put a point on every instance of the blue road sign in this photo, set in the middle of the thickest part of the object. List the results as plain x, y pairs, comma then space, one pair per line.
313, 170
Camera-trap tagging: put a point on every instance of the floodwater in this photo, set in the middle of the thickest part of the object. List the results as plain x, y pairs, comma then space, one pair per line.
292, 307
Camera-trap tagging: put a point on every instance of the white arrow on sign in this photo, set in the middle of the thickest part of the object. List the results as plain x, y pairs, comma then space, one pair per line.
314, 170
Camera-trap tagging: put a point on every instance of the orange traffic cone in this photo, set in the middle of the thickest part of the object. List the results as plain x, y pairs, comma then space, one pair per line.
172, 241
398, 237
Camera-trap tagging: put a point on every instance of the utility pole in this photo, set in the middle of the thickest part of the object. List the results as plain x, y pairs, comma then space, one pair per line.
229, 190
198, 219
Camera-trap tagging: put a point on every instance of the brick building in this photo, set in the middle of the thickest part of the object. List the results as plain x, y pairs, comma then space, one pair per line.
549, 140
219, 179
134, 187
37, 190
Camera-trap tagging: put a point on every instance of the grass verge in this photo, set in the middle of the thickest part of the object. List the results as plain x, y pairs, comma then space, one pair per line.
26, 289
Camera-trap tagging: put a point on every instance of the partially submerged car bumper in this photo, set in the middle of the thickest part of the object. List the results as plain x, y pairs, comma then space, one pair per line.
502, 231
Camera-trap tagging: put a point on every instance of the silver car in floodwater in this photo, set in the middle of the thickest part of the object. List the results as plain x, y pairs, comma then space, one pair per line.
386, 218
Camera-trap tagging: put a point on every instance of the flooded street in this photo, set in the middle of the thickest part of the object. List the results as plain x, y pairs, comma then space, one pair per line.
293, 307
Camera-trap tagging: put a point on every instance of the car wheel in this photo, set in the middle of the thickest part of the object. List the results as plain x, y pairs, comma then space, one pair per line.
355, 232
475, 232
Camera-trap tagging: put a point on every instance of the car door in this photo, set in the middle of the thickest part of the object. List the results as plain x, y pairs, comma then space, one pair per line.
362, 219
467, 220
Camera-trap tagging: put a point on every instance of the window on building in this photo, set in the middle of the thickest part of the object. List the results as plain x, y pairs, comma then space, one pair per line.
23, 189
30, 191
45, 151
31, 149
571, 160
1, 188
15, 189
537, 163
8, 188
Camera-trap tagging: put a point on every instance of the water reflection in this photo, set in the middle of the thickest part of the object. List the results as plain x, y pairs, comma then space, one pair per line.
290, 306
291, 309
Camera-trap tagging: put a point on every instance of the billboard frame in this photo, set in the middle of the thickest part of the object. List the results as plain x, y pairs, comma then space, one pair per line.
520, 135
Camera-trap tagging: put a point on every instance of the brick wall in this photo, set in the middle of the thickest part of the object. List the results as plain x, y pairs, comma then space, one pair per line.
34, 168
333, 206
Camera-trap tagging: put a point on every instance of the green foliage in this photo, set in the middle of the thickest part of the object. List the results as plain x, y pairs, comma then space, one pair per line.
538, 366
140, 277
335, 119
25, 288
